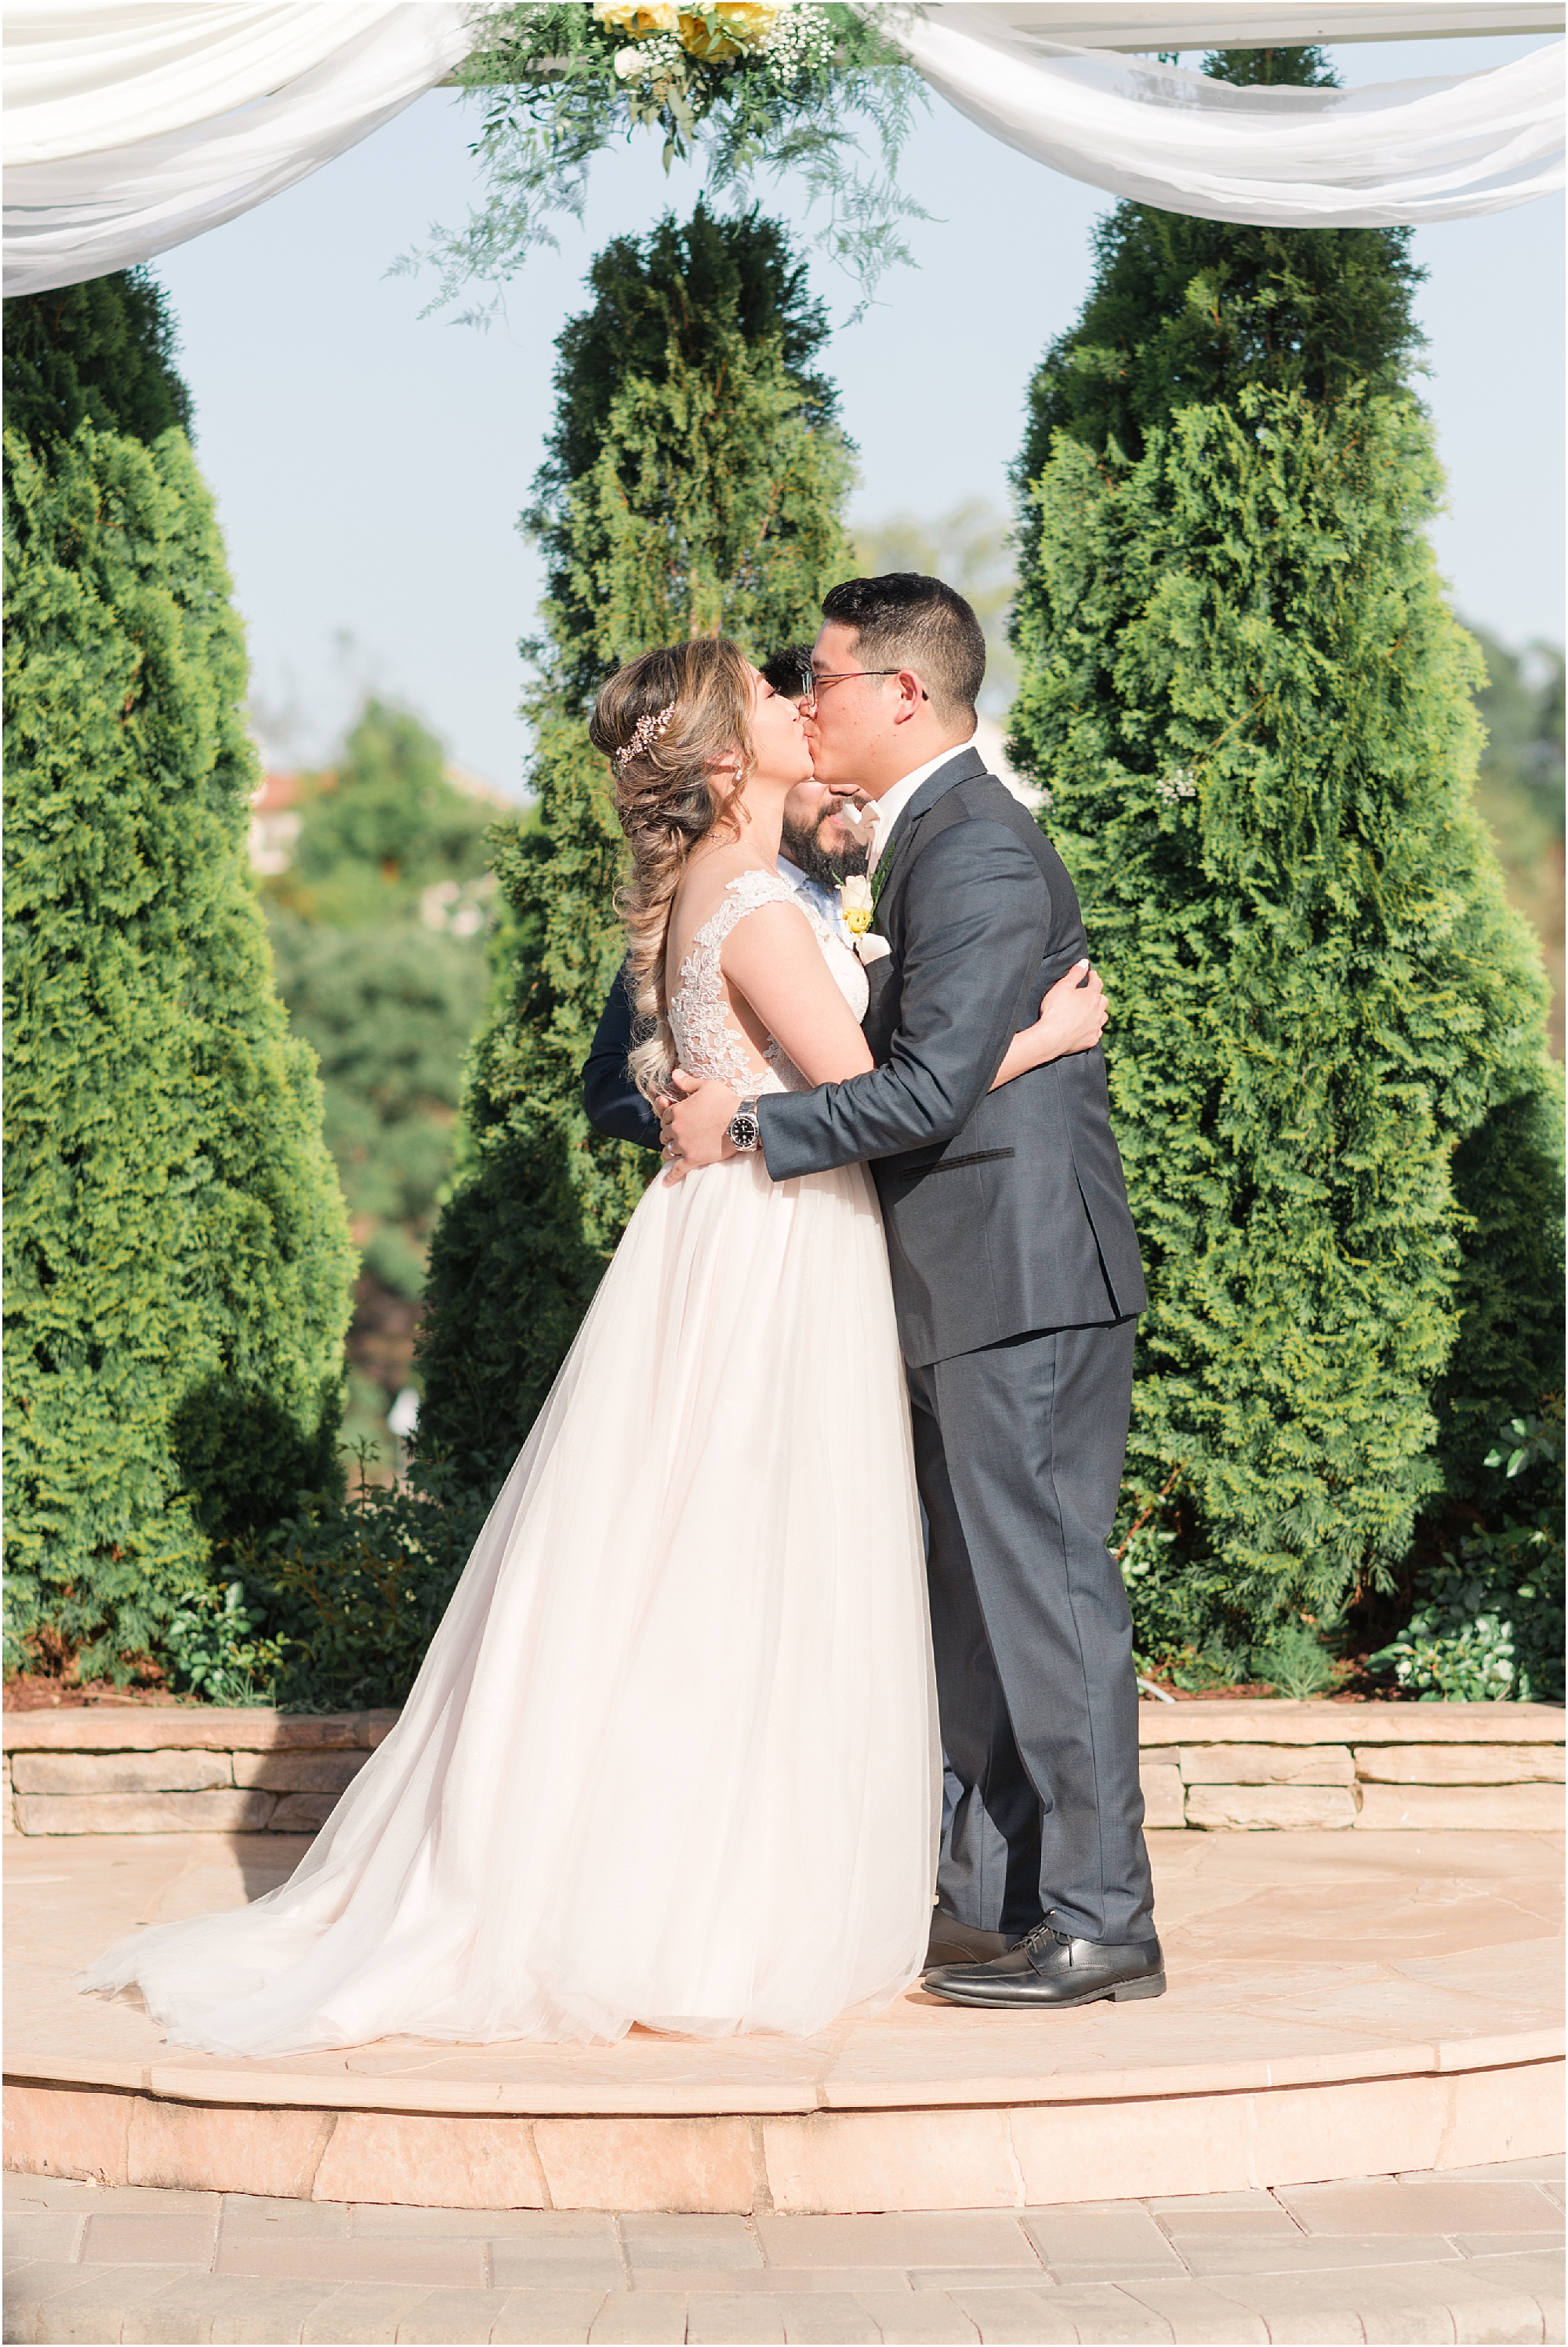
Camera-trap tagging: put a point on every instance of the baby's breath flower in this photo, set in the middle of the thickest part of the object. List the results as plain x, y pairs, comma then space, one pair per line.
801, 40
651, 62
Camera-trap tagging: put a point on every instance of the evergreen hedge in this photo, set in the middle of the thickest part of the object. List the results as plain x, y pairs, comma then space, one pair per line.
1251, 705
177, 1258
694, 484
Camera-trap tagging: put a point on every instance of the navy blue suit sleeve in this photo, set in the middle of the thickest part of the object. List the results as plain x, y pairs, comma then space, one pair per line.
974, 923
612, 1100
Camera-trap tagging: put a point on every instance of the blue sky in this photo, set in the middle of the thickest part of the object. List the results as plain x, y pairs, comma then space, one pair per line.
370, 464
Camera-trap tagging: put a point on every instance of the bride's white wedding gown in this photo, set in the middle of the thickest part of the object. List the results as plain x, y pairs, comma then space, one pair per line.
672, 1757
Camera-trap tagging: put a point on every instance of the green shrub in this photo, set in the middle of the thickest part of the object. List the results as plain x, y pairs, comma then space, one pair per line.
693, 483
1293, 1661
176, 1249
351, 1588
1487, 1624
1329, 1075
213, 1652
100, 353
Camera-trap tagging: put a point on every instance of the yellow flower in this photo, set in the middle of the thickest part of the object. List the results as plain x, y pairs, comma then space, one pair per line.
652, 16
742, 24
856, 905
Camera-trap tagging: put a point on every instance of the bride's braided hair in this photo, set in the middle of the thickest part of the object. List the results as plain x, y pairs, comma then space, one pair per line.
676, 727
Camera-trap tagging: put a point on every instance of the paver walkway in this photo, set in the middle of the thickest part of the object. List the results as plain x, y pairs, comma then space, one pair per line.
1469, 2254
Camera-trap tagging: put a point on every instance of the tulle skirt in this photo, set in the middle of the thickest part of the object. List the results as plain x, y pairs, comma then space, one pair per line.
672, 1755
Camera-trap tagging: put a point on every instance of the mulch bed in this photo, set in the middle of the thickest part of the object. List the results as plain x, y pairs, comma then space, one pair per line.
35, 1691
1358, 1687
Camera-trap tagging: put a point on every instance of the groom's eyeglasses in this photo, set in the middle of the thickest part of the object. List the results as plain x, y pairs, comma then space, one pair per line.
814, 683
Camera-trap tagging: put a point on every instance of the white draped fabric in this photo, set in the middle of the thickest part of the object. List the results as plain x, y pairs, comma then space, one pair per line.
1152, 25
132, 125
1401, 153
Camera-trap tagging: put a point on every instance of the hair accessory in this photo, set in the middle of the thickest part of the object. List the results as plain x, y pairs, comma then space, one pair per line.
646, 730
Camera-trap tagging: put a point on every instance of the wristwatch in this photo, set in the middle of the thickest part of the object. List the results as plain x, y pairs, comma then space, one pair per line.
744, 1128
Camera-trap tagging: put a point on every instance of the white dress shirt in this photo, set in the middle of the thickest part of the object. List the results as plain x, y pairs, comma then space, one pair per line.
892, 804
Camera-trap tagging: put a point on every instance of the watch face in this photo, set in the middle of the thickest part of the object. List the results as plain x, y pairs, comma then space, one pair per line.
744, 1131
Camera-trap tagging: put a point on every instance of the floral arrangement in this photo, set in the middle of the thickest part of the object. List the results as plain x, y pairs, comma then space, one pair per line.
757, 86
678, 63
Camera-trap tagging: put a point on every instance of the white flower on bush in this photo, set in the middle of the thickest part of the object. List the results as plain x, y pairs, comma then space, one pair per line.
1177, 785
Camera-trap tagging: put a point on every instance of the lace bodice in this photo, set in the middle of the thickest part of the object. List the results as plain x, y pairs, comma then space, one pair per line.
709, 1040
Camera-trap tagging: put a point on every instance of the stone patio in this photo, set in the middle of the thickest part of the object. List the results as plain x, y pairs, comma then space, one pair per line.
1470, 2255
1341, 2005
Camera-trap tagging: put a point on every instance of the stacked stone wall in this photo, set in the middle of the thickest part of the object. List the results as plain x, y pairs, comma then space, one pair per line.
181, 1769
1254, 1767
1366, 1768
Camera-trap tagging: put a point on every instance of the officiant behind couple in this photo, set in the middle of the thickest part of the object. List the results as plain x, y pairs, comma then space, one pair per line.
673, 1757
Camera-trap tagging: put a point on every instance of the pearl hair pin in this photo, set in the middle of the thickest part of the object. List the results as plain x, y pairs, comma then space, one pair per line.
646, 730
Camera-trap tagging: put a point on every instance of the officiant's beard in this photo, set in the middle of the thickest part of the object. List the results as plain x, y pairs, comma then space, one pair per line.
802, 845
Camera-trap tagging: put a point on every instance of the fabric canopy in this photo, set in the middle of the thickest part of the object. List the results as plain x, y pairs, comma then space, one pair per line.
1399, 154
132, 125
1146, 25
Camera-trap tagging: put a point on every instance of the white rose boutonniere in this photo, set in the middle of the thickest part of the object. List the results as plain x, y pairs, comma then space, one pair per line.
858, 905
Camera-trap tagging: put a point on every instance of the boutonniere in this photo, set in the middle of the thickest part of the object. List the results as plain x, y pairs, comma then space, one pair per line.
857, 902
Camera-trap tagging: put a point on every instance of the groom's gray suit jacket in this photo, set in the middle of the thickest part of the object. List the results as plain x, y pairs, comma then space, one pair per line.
1005, 1210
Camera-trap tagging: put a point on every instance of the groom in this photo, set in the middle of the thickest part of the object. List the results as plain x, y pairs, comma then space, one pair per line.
1017, 1282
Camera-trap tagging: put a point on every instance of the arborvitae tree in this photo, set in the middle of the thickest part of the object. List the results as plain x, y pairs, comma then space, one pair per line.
177, 1256
1251, 705
694, 485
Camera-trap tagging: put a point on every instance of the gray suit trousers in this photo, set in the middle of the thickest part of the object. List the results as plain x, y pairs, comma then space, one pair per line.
1019, 1451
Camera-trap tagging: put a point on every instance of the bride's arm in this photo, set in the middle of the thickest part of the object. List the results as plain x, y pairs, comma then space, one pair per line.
773, 960
1071, 1016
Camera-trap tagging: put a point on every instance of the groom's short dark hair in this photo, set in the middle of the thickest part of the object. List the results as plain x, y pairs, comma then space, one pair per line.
904, 619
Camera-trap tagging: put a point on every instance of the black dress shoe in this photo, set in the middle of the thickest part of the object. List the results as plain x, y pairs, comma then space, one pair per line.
952, 1942
1051, 1968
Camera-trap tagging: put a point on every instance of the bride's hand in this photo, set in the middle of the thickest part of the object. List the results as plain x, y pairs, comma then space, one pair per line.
663, 1105
1072, 1015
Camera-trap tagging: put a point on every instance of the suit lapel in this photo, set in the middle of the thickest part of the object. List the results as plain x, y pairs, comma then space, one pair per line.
963, 766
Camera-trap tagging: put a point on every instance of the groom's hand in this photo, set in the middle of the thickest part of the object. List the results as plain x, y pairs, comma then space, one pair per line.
695, 1122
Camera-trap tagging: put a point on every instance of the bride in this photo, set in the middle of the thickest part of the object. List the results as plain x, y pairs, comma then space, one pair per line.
671, 1758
